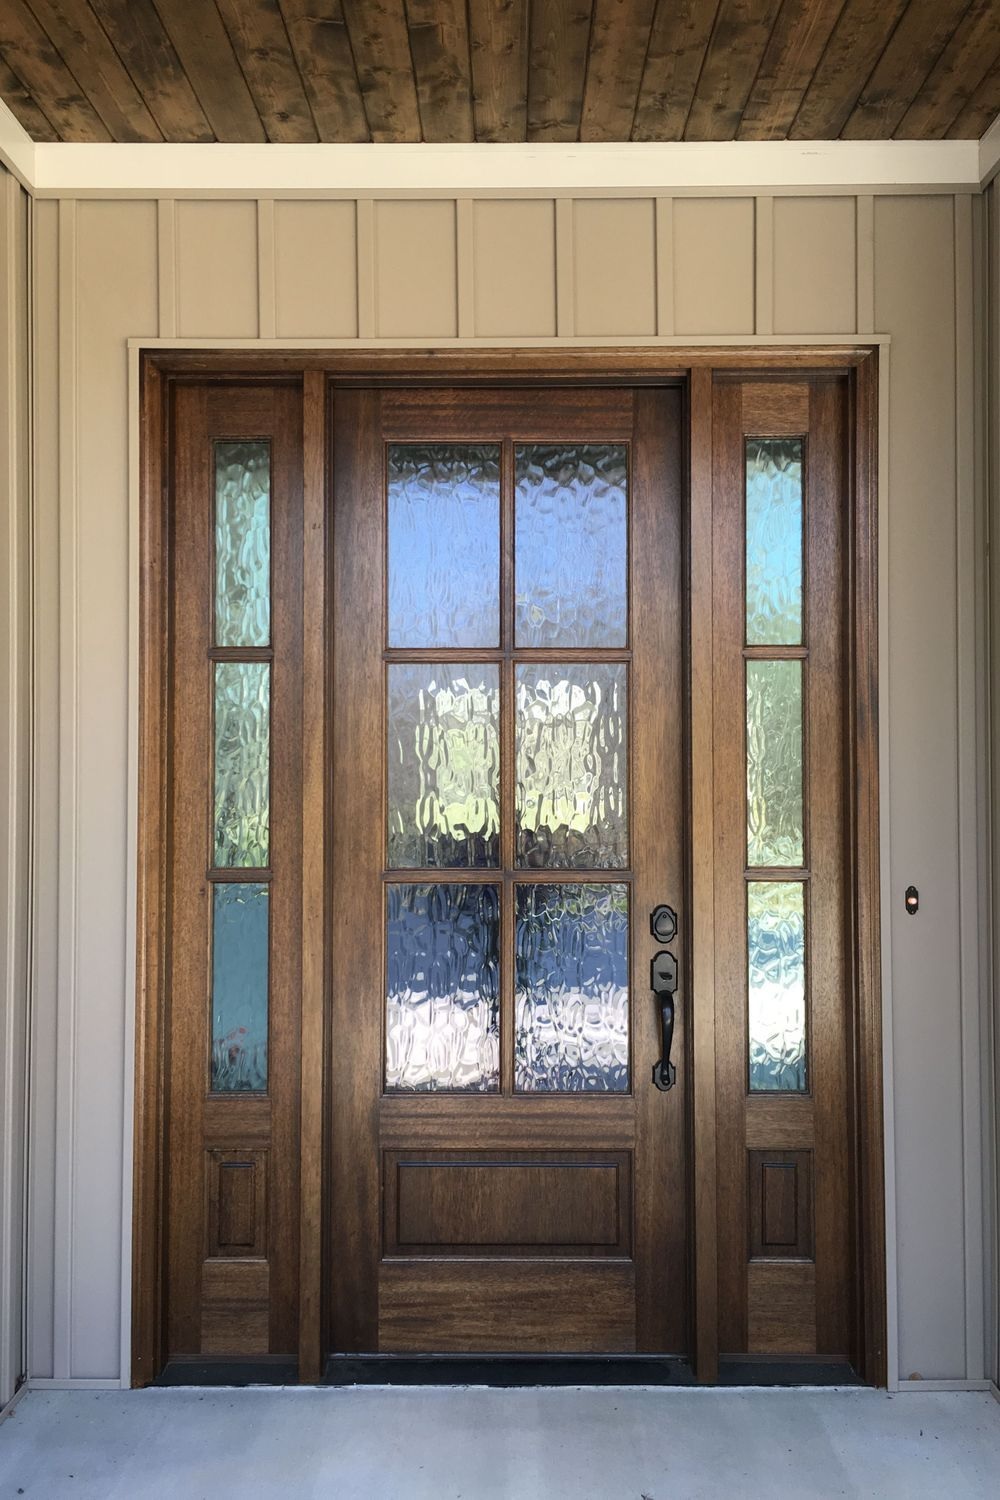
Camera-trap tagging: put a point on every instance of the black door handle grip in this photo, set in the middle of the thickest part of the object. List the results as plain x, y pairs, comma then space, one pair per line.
663, 983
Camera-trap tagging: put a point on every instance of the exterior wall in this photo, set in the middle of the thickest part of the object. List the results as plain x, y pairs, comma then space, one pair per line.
490, 270
15, 662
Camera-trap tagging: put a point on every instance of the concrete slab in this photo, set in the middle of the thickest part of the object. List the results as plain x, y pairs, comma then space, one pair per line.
473, 1444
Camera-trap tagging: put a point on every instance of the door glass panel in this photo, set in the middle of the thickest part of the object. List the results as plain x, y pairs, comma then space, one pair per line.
443, 988
444, 765
444, 544
571, 544
242, 543
774, 541
571, 997
572, 765
239, 987
774, 763
242, 762
776, 943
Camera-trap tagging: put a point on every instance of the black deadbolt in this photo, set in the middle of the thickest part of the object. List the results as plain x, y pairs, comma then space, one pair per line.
663, 923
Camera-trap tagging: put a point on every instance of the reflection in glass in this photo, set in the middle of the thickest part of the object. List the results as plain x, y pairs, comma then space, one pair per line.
239, 986
443, 987
776, 937
444, 544
242, 543
571, 544
444, 765
774, 763
571, 998
774, 541
572, 766
242, 762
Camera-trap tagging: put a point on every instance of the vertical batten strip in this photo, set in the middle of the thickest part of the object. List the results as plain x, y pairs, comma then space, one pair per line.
367, 309
968, 713
565, 278
865, 263
764, 266
68, 879
664, 236
166, 266
267, 292
465, 263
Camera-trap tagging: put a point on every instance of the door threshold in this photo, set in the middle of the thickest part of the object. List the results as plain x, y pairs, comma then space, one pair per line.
508, 1370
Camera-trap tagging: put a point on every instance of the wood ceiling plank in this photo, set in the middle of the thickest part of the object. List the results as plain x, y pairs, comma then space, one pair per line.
677, 46
914, 48
619, 40
742, 31
499, 69
207, 57
966, 61
381, 47
439, 46
82, 43
978, 114
859, 37
257, 32
790, 59
138, 37
28, 52
24, 106
322, 48
557, 68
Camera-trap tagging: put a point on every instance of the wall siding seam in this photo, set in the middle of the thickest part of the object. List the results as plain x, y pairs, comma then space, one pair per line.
267, 292
664, 241
764, 265
166, 266
565, 268
865, 262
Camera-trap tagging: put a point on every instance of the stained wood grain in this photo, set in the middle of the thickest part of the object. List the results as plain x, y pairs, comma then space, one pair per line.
962, 67
136, 31
83, 44
741, 33
28, 52
257, 32
381, 48
206, 54
321, 46
981, 110
23, 104
794, 49
913, 49
619, 37
560, 34
499, 42
439, 47
859, 37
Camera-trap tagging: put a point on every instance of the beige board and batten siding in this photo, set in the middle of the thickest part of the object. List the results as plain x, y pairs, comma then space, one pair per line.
15, 768
423, 271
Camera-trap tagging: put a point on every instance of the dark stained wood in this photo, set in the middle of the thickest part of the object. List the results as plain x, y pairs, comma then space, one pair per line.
381, 48
964, 64
781, 1311
499, 45
862, 30
31, 56
259, 39
206, 54
619, 36
321, 46
557, 68
439, 47
83, 44
781, 1204
22, 102
914, 48
677, 46
978, 114
792, 55
136, 31
741, 33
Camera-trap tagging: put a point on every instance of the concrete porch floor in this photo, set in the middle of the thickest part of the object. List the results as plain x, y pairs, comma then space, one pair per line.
475, 1444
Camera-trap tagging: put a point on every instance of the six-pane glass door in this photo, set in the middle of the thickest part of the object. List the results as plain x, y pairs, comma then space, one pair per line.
507, 699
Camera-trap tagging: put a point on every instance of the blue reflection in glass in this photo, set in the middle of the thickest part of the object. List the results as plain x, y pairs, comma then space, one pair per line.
239, 987
444, 544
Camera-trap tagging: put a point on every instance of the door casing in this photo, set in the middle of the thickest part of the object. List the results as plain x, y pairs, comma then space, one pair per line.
318, 372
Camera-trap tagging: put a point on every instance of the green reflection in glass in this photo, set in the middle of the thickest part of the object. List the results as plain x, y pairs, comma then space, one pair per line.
242, 543
242, 763
776, 948
774, 763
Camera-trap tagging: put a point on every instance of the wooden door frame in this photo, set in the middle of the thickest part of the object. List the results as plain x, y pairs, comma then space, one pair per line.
319, 370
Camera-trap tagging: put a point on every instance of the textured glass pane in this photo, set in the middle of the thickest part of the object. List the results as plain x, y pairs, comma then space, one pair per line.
444, 765
242, 544
774, 541
444, 544
572, 766
571, 539
571, 998
239, 986
242, 762
774, 763
776, 932
442, 1001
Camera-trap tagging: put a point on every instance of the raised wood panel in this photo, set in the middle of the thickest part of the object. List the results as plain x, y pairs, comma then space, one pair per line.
446, 1308
416, 285
713, 253
216, 269
514, 269
461, 1203
780, 1194
815, 287
316, 270
614, 246
781, 1307
236, 1189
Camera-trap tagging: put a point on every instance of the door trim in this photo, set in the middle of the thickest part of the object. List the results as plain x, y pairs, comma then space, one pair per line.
318, 370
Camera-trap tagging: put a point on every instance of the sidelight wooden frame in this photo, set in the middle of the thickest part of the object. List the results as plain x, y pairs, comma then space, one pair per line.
319, 370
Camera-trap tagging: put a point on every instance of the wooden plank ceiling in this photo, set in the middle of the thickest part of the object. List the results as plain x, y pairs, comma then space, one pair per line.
500, 70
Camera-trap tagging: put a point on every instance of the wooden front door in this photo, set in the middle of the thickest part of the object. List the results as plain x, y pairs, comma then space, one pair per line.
507, 813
